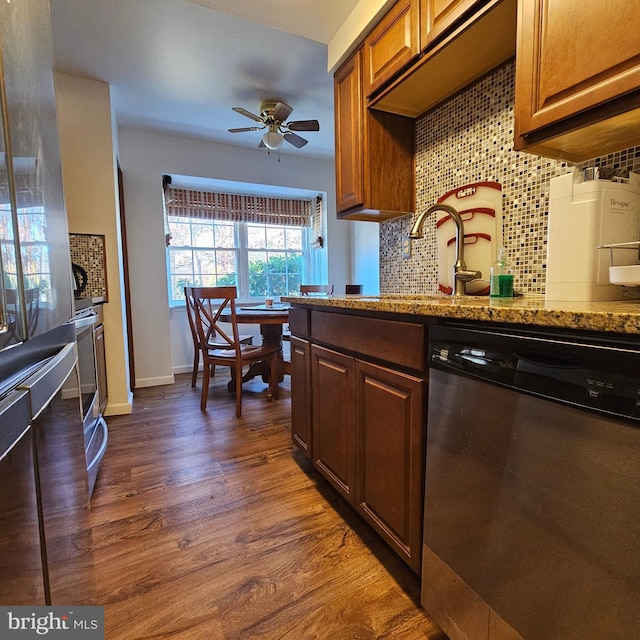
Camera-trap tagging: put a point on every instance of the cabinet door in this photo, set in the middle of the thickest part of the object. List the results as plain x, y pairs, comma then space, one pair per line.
390, 432
301, 394
572, 58
101, 366
349, 134
333, 429
393, 43
438, 16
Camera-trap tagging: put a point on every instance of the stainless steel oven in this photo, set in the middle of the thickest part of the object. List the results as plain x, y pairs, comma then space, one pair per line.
95, 427
532, 527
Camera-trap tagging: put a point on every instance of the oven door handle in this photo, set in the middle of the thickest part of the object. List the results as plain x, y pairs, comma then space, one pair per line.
103, 447
89, 320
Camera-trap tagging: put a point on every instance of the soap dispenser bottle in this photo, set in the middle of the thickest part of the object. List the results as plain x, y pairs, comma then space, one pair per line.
501, 285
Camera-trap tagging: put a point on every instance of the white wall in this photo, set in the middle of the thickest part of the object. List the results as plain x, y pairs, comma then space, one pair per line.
87, 148
365, 256
162, 343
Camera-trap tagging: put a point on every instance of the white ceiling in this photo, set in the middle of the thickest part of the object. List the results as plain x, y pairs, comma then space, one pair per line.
181, 65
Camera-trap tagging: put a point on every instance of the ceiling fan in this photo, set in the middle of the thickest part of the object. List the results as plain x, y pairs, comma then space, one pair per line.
273, 114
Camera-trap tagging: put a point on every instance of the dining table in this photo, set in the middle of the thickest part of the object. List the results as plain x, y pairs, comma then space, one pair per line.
271, 319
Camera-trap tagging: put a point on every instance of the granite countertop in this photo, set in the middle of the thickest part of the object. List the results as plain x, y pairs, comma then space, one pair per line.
617, 317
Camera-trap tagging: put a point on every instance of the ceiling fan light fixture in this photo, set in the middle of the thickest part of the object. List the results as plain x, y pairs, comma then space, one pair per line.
273, 139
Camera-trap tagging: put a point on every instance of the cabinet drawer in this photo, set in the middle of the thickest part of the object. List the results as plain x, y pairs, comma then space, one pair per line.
401, 343
299, 322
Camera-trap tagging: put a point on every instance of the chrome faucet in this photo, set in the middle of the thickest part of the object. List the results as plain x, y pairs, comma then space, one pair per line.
460, 273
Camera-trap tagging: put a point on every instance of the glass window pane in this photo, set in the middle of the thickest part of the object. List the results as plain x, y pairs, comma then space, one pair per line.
257, 273
275, 238
293, 284
224, 235
295, 263
256, 236
180, 233
181, 261
227, 280
202, 235
178, 283
294, 238
225, 262
204, 262
277, 285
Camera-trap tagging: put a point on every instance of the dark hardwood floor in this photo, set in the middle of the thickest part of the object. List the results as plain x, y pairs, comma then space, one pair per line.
211, 527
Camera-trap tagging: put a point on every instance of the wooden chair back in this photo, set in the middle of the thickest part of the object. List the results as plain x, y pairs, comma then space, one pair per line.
212, 341
321, 289
206, 306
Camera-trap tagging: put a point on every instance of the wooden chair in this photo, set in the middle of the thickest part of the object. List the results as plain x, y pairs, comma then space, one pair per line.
208, 303
212, 343
322, 289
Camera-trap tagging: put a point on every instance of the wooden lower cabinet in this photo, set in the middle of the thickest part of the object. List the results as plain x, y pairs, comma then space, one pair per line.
366, 436
301, 394
332, 374
390, 437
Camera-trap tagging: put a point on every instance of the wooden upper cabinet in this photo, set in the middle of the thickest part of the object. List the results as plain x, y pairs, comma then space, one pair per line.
349, 133
392, 44
577, 77
374, 153
438, 16
462, 40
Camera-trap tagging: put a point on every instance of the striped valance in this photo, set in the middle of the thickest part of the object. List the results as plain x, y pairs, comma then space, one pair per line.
240, 207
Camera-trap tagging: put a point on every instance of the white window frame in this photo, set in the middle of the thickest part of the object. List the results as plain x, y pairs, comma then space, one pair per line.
242, 259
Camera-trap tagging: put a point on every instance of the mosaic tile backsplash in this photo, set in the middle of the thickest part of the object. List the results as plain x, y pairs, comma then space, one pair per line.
88, 251
468, 139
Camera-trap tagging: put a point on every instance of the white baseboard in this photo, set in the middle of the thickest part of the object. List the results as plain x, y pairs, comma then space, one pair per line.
155, 382
185, 368
120, 408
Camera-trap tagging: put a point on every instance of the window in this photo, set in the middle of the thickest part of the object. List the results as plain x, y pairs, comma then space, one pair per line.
260, 244
259, 259
34, 249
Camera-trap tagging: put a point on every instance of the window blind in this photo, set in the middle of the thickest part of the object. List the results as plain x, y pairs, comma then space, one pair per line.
240, 208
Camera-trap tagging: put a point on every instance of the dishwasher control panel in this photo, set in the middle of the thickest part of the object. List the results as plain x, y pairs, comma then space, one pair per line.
593, 375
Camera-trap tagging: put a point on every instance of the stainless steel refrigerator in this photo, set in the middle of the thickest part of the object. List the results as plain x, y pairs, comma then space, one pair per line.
46, 551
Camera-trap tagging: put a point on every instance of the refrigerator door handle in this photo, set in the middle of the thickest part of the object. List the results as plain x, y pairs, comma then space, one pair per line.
47, 381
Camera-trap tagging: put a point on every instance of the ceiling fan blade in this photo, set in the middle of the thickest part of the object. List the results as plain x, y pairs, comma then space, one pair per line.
244, 112
241, 129
281, 111
294, 139
303, 125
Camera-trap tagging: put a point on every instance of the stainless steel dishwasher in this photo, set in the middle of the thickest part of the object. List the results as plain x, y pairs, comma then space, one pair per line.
532, 494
